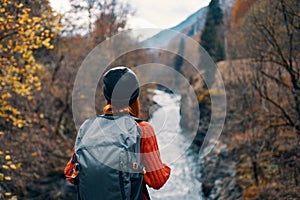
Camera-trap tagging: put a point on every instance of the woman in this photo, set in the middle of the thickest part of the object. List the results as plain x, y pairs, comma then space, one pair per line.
120, 87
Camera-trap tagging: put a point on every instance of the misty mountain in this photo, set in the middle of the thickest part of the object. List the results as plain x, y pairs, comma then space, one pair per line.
191, 26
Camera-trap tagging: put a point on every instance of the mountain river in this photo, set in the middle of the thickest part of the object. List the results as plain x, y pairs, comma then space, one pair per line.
183, 183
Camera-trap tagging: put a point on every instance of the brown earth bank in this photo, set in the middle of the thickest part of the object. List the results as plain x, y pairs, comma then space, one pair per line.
251, 160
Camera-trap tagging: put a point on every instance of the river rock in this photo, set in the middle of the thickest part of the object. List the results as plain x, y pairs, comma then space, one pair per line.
217, 175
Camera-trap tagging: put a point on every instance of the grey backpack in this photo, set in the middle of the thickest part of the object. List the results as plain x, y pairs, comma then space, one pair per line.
107, 150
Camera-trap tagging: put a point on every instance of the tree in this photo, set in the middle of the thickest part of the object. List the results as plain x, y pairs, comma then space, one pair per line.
22, 32
26, 28
211, 38
87, 15
271, 33
215, 12
264, 117
178, 60
212, 41
106, 18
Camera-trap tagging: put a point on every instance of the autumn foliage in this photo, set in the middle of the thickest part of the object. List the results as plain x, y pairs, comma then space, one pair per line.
240, 9
38, 66
22, 33
263, 89
39, 59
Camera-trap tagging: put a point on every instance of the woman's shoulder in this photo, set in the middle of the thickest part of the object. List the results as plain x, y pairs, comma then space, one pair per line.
144, 124
147, 128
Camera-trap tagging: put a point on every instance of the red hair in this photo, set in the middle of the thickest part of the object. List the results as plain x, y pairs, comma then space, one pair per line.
133, 109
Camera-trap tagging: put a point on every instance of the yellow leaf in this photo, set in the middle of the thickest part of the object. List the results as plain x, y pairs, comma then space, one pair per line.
20, 125
5, 167
19, 5
19, 165
1, 176
38, 84
42, 116
7, 178
36, 19
48, 40
34, 154
7, 194
7, 157
14, 198
26, 10
8, 162
38, 26
25, 17
58, 193
13, 166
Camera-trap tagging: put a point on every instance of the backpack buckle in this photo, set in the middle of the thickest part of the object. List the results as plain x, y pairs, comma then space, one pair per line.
135, 166
144, 170
75, 171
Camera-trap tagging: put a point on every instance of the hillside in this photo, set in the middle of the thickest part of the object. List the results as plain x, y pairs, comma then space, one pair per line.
193, 24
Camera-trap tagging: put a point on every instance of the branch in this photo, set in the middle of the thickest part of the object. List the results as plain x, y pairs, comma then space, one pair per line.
290, 34
8, 35
272, 40
272, 60
278, 81
285, 114
276, 125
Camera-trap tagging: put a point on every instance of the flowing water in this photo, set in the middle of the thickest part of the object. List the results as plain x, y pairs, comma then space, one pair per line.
183, 183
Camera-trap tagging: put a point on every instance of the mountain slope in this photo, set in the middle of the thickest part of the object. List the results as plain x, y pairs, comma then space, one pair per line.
191, 26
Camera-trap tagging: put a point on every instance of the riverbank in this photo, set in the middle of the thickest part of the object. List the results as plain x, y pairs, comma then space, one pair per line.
252, 160
218, 171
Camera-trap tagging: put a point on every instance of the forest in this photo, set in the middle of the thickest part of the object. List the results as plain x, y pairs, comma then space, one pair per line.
255, 45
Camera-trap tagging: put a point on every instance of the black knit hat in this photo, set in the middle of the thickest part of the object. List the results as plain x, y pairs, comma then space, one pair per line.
121, 86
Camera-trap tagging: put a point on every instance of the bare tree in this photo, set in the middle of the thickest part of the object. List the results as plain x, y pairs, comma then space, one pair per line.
272, 36
81, 18
103, 19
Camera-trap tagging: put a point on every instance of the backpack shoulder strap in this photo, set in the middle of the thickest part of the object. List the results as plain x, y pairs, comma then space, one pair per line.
137, 119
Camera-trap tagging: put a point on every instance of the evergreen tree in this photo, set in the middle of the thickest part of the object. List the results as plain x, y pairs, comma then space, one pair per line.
216, 12
212, 42
178, 61
211, 38
209, 35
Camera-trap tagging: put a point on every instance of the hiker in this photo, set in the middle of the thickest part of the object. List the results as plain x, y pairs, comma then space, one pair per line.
122, 112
